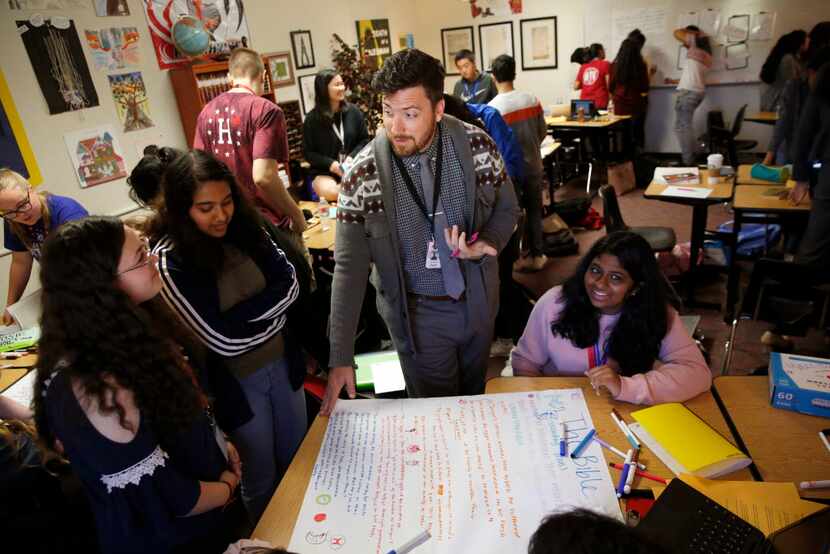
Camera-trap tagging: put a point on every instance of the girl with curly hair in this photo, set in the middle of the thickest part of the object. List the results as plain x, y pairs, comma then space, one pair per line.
231, 284
612, 320
116, 395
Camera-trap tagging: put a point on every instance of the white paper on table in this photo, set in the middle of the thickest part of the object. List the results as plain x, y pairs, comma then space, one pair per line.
387, 376
661, 172
26, 311
763, 26
478, 472
23, 390
686, 192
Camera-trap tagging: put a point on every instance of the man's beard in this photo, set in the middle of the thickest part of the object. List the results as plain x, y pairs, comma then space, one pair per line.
411, 146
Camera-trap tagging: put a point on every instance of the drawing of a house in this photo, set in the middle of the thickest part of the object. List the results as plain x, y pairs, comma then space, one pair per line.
98, 161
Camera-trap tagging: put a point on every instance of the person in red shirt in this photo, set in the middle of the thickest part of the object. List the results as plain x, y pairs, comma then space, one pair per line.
247, 132
592, 79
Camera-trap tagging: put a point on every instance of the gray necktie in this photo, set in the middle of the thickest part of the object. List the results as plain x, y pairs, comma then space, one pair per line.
450, 271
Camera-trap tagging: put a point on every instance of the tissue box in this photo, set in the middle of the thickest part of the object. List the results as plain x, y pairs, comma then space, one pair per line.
800, 383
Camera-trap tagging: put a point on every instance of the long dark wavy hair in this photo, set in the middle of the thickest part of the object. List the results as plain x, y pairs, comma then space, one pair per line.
181, 179
322, 100
94, 333
629, 66
635, 340
788, 44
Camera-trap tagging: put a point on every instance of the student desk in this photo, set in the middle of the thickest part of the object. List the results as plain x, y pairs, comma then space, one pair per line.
764, 118
721, 192
601, 127
784, 445
754, 199
277, 523
745, 178
321, 235
10, 376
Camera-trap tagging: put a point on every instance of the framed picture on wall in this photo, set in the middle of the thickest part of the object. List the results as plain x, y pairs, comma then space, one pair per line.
539, 43
495, 39
454, 40
279, 67
306, 83
303, 49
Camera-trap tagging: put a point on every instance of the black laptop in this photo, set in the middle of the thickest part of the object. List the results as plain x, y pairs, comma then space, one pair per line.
684, 520
588, 107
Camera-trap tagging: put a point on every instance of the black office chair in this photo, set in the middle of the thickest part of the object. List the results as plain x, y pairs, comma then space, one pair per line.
783, 293
720, 138
661, 239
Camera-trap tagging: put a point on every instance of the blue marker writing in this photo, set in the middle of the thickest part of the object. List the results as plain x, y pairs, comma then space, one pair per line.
563, 444
413, 544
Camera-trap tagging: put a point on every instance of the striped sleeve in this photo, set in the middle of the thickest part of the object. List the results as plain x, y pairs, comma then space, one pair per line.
241, 328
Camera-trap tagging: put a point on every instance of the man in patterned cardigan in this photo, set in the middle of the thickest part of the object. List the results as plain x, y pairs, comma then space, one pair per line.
428, 206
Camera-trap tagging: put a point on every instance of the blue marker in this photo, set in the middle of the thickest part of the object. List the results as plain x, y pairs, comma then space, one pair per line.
563, 444
413, 544
624, 474
583, 443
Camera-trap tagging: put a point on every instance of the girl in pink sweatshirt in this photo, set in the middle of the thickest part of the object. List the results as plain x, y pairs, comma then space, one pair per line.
613, 322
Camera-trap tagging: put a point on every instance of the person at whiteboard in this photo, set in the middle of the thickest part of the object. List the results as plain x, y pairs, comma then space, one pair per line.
691, 88
333, 133
629, 87
474, 86
28, 218
592, 79
613, 320
784, 63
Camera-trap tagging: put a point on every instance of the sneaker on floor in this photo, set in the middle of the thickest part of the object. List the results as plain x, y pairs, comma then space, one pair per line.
501, 348
777, 342
531, 264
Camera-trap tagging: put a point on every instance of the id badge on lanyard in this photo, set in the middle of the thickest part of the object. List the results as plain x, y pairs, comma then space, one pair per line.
342, 138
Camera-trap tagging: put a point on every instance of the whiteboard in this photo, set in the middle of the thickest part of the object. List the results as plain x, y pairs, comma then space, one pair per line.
742, 33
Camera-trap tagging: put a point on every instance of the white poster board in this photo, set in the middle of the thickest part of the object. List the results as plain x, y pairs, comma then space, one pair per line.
477, 472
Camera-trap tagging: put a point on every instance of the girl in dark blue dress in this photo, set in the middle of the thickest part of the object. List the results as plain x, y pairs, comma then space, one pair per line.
117, 397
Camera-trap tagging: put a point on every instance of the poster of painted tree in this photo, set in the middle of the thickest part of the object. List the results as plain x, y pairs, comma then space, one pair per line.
96, 155
131, 102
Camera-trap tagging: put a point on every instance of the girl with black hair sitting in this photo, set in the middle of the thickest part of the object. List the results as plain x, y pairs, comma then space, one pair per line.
613, 321
232, 285
117, 396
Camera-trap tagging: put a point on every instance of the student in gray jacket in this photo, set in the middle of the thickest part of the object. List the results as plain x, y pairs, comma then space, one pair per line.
428, 205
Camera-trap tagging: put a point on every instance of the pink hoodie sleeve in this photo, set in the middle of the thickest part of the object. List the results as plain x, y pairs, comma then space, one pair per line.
531, 353
679, 374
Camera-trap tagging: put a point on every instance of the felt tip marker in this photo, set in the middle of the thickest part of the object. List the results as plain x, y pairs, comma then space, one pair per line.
640, 473
635, 444
563, 444
413, 544
616, 451
823, 436
583, 443
815, 484
632, 469
624, 474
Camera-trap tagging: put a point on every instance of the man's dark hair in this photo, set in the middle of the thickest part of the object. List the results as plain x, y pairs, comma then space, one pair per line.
586, 532
410, 68
596, 49
504, 68
465, 54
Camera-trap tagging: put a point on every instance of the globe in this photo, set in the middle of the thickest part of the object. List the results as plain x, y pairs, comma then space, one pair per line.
190, 36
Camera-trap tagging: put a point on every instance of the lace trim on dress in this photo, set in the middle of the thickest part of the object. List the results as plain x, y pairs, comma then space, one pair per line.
134, 473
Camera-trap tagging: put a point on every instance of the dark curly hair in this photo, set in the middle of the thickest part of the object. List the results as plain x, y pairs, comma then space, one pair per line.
410, 68
586, 532
181, 179
145, 178
94, 333
635, 341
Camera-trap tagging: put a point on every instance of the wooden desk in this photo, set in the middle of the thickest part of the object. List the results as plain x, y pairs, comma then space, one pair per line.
601, 122
752, 199
277, 523
745, 178
321, 235
721, 192
765, 118
784, 445
9, 377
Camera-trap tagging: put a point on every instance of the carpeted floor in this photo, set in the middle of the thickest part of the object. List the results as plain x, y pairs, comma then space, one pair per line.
749, 353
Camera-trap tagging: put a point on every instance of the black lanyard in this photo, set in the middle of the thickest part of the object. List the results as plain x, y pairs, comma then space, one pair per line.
436, 192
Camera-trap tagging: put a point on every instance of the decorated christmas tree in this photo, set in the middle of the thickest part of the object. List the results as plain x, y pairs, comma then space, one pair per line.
357, 76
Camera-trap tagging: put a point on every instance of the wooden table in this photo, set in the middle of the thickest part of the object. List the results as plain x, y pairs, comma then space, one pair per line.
10, 376
277, 523
765, 118
319, 235
784, 445
600, 122
721, 192
745, 178
754, 199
